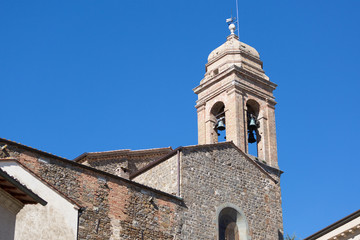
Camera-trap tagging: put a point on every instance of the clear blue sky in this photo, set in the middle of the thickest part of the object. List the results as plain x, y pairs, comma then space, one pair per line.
79, 76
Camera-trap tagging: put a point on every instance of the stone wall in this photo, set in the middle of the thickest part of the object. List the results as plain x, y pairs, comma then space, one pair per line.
217, 175
163, 176
211, 177
116, 167
125, 162
113, 208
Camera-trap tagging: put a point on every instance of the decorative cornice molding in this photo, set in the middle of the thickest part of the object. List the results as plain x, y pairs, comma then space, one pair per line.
244, 74
240, 88
335, 225
354, 231
234, 52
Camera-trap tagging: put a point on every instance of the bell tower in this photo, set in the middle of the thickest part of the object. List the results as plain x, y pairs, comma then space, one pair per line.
236, 97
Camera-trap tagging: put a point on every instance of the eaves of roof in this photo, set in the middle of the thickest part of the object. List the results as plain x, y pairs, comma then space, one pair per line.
333, 226
19, 191
77, 205
122, 152
32, 149
94, 170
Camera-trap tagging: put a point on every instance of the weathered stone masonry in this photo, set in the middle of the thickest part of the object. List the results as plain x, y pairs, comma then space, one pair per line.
113, 208
212, 191
163, 176
215, 175
122, 162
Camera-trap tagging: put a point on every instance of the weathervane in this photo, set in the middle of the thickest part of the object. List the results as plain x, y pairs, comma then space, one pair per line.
231, 21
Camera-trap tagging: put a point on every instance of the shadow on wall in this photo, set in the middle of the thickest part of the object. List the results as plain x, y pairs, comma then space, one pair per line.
281, 235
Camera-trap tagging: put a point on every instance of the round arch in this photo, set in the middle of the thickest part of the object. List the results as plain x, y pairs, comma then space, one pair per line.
217, 109
253, 107
231, 223
217, 116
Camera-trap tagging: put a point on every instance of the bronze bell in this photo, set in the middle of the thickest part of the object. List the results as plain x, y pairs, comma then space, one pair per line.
220, 125
251, 138
252, 123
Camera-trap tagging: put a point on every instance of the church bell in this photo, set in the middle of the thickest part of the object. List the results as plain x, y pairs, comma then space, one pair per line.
252, 128
252, 123
220, 125
251, 138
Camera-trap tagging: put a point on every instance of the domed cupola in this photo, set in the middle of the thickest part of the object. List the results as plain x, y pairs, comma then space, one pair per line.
234, 53
233, 46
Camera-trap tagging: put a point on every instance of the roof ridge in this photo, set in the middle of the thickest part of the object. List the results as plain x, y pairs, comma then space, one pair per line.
14, 181
239, 150
334, 225
153, 164
42, 180
122, 151
156, 162
32, 148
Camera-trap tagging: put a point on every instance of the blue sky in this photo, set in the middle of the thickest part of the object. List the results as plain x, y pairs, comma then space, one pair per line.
80, 76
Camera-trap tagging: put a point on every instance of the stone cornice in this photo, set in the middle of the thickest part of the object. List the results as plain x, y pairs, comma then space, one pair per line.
354, 231
212, 81
235, 69
122, 154
242, 53
200, 106
255, 77
241, 88
337, 225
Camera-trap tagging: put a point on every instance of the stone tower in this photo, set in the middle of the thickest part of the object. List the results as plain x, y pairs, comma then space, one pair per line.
235, 88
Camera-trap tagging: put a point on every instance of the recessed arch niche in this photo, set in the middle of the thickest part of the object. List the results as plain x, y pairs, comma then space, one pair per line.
232, 224
217, 112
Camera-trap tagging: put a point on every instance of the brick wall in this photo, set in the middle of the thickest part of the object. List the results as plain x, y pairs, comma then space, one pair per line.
212, 176
114, 208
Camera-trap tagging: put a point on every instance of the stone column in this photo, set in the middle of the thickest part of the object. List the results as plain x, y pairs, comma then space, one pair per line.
263, 143
201, 124
235, 118
273, 160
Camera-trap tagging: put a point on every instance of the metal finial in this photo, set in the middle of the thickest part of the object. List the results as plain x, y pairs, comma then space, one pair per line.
230, 22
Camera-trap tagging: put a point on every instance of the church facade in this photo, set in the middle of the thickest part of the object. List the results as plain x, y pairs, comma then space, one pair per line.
213, 190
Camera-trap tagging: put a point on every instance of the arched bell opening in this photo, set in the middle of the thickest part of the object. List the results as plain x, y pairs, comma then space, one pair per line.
232, 225
253, 136
218, 118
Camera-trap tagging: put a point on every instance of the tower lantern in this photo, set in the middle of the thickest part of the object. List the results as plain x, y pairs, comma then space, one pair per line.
236, 88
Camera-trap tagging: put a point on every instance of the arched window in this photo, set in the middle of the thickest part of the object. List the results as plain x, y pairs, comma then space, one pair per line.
254, 137
218, 117
232, 225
